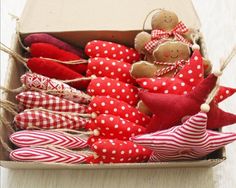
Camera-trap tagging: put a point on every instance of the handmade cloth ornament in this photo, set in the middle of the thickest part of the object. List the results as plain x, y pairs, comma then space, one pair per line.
188, 141
46, 50
33, 99
49, 154
113, 88
108, 105
111, 68
98, 48
46, 119
37, 82
169, 109
118, 151
184, 82
114, 127
34, 138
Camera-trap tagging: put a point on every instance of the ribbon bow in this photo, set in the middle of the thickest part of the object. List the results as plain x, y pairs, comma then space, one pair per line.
158, 34
177, 65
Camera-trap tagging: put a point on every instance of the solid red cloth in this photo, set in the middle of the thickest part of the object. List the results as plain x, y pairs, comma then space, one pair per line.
113, 88
188, 141
99, 48
119, 151
169, 109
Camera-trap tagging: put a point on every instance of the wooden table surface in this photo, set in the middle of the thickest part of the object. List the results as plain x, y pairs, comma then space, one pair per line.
219, 28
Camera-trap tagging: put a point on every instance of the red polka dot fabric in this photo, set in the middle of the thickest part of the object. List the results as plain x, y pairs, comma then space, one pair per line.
113, 88
187, 78
111, 126
223, 93
108, 105
118, 151
111, 68
98, 48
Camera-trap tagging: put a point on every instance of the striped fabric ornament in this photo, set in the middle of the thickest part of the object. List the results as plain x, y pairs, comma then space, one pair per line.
34, 138
118, 151
110, 68
188, 141
108, 105
48, 154
112, 127
158, 34
113, 88
37, 82
40, 119
99, 48
33, 99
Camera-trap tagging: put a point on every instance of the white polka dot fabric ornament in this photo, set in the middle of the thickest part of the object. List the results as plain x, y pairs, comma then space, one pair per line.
49, 154
113, 88
184, 82
41, 119
118, 151
112, 106
111, 68
34, 138
188, 141
33, 99
110, 126
98, 48
37, 82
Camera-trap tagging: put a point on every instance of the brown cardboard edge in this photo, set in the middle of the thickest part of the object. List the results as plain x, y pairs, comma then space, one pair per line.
181, 164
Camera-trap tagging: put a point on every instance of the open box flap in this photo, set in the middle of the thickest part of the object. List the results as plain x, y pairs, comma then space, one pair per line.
104, 15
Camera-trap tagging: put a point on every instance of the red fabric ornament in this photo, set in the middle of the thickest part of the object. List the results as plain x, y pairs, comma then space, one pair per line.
40, 154
37, 82
56, 70
39, 119
169, 109
51, 51
98, 48
33, 99
111, 68
108, 105
188, 141
113, 88
112, 127
34, 138
184, 82
118, 151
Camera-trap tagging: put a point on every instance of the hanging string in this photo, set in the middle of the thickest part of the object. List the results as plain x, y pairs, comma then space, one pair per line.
5, 145
17, 90
145, 20
73, 62
78, 79
8, 106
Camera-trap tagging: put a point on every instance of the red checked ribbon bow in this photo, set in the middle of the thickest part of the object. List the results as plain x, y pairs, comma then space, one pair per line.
177, 65
158, 34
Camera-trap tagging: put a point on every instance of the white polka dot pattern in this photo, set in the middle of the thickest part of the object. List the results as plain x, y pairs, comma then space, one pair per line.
187, 78
111, 126
223, 93
98, 48
105, 67
108, 105
113, 88
118, 151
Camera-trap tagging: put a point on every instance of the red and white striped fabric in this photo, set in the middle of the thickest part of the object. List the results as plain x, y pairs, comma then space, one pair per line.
99, 48
52, 155
110, 68
108, 105
113, 88
33, 99
39, 119
34, 138
191, 140
112, 127
118, 151
37, 82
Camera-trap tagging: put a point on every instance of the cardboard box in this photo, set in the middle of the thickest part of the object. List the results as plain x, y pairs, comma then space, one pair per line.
78, 22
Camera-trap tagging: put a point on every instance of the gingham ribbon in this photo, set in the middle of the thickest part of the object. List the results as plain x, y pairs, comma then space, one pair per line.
158, 34
177, 65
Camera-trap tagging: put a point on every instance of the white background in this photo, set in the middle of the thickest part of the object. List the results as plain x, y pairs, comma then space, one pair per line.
219, 28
